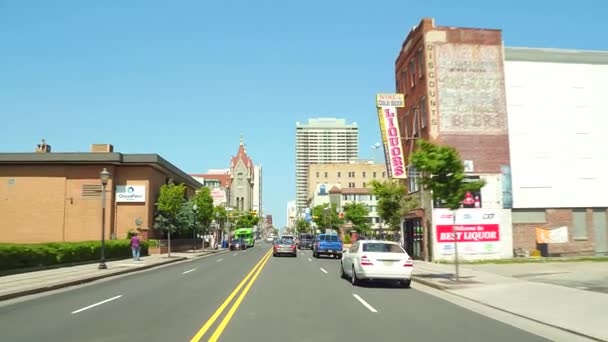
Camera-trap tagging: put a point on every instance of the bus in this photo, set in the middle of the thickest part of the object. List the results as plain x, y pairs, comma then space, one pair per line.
246, 234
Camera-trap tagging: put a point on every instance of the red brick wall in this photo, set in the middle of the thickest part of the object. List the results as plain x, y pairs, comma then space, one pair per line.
524, 234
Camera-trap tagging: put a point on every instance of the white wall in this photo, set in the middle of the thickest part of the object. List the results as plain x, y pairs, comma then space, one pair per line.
473, 221
558, 122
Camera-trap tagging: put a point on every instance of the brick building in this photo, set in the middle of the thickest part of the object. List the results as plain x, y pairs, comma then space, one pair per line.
453, 80
52, 197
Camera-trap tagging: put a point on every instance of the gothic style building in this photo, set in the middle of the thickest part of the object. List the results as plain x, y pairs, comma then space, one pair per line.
242, 180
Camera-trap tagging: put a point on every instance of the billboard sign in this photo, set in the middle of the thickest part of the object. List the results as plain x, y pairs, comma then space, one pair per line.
390, 100
131, 193
393, 147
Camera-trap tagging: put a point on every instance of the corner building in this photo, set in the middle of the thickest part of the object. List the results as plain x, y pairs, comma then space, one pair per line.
453, 80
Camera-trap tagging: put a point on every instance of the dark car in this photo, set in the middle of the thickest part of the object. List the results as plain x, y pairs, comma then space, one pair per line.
284, 247
238, 244
305, 241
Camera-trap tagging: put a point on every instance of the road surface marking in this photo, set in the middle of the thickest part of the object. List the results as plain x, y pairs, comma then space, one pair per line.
219, 259
235, 254
236, 304
219, 310
96, 304
188, 271
322, 270
309, 259
366, 304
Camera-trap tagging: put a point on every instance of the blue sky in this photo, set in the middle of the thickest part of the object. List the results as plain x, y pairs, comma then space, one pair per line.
185, 78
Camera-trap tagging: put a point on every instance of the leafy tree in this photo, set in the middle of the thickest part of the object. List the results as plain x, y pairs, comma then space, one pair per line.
220, 215
302, 226
442, 171
169, 205
324, 217
356, 213
204, 204
247, 220
393, 201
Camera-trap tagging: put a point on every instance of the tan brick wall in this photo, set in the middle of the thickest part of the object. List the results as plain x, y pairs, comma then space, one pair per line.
32, 207
344, 168
44, 203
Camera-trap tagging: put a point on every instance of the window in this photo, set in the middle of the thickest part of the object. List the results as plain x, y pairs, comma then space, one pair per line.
416, 123
317, 174
325, 174
380, 247
339, 174
344, 197
412, 179
363, 174
412, 73
383, 174
423, 113
351, 184
404, 81
420, 57
374, 174
405, 130
351, 174
364, 185
579, 224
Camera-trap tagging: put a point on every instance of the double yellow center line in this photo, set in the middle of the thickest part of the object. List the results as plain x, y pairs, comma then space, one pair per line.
251, 277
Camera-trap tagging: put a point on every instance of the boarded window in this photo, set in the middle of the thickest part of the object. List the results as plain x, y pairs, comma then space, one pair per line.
579, 223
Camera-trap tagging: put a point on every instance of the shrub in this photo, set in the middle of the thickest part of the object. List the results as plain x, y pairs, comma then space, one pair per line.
15, 256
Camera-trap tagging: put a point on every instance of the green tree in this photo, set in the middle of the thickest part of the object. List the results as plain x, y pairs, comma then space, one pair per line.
393, 201
302, 226
325, 216
356, 213
247, 220
169, 205
220, 215
442, 171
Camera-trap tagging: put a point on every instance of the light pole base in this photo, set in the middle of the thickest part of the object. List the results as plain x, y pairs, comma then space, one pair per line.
102, 266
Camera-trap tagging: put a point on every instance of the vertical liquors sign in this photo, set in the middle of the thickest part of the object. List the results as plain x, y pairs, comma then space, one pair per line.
387, 105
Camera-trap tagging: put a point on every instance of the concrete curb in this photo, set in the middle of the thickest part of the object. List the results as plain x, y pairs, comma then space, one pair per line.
429, 283
85, 280
447, 289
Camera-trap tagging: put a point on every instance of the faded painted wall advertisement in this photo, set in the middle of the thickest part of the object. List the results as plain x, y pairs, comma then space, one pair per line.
471, 89
431, 83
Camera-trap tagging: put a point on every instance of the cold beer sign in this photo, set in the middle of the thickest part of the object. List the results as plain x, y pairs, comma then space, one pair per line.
387, 105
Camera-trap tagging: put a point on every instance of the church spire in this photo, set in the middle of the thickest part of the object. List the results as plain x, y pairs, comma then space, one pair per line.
241, 139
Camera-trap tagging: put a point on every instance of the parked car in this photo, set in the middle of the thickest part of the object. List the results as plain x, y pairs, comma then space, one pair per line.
327, 244
376, 260
284, 247
305, 241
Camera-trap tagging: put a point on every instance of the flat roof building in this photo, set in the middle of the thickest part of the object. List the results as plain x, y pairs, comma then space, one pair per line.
54, 197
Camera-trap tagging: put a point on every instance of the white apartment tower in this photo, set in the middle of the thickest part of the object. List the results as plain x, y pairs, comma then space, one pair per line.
257, 190
322, 141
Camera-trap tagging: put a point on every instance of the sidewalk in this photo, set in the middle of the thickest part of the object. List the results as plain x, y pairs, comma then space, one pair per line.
578, 311
17, 285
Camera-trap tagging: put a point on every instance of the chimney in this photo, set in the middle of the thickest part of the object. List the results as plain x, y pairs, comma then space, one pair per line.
103, 148
43, 147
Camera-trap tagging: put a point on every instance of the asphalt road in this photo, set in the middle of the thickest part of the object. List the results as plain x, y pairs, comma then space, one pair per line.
290, 299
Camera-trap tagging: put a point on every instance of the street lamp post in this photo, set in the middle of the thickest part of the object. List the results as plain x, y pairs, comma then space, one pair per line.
104, 176
194, 209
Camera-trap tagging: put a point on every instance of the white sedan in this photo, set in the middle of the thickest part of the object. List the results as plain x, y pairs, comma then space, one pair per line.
376, 260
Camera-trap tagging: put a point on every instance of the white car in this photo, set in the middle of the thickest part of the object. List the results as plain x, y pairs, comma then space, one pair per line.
376, 260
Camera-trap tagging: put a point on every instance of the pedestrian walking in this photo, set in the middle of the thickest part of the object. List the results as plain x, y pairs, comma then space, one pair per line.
135, 246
